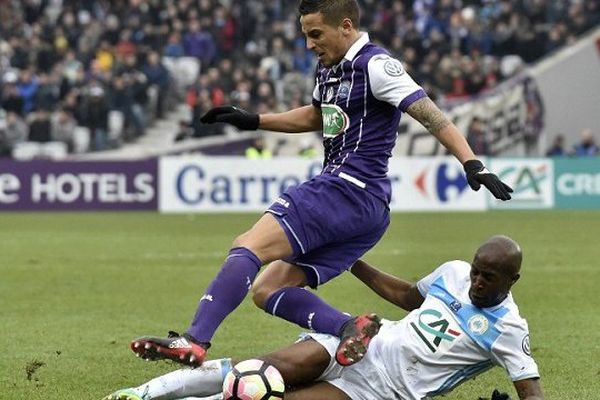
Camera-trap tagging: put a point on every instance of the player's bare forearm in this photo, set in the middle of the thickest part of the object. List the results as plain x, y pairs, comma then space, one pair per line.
433, 119
397, 291
529, 389
298, 120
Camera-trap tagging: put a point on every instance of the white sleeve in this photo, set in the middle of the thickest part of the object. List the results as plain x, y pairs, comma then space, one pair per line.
512, 351
425, 283
391, 83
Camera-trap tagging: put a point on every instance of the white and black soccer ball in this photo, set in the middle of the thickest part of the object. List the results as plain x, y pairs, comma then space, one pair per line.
253, 380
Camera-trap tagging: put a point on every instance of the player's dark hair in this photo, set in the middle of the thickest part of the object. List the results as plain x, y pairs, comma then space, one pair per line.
333, 11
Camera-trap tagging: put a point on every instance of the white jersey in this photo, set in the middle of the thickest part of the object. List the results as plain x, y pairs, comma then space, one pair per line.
440, 345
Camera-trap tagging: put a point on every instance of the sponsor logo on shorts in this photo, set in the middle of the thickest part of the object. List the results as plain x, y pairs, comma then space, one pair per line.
310, 318
525, 345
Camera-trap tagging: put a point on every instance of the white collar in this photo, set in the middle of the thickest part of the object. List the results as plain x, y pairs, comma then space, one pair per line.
362, 40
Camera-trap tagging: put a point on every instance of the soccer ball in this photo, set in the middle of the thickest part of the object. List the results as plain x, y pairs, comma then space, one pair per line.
253, 380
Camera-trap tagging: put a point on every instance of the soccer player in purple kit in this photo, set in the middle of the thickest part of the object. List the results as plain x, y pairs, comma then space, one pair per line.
315, 231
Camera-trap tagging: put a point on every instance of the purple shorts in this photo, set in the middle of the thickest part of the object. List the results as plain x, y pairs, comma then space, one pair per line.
330, 224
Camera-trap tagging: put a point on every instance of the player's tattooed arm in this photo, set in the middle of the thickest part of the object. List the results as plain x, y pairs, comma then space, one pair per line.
431, 117
529, 389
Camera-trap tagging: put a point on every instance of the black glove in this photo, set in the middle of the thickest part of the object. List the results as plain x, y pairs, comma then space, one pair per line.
237, 117
478, 174
496, 395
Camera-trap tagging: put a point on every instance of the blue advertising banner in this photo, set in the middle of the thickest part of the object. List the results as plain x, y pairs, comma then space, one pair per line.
74, 185
577, 182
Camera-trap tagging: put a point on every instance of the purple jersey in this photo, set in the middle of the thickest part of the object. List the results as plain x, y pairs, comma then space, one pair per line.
361, 100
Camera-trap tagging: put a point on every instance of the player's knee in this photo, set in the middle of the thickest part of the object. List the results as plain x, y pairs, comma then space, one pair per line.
260, 294
239, 241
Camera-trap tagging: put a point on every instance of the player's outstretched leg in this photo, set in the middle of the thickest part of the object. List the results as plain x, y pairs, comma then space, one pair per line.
223, 295
355, 337
179, 348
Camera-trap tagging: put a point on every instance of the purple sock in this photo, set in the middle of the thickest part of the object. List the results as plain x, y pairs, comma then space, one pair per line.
302, 307
225, 293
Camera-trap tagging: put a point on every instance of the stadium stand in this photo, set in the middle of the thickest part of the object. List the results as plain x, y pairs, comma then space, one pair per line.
121, 75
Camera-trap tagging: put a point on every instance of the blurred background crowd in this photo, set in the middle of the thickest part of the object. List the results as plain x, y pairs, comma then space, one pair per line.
93, 75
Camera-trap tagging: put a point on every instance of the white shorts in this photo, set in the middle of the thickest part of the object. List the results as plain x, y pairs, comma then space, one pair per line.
365, 380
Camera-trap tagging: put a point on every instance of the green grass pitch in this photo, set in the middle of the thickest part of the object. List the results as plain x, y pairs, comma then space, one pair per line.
75, 288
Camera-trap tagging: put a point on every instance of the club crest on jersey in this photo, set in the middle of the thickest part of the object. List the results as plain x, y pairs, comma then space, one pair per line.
344, 90
478, 324
393, 67
335, 120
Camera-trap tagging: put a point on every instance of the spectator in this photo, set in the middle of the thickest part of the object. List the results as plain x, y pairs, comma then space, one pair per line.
258, 151
15, 132
63, 128
96, 116
476, 137
587, 146
185, 131
39, 127
123, 99
199, 43
12, 101
48, 93
27, 87
157, 76
174, 48
558, 147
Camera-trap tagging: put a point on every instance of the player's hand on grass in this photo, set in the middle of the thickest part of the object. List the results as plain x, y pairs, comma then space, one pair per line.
496, 395
478, 174
235, 116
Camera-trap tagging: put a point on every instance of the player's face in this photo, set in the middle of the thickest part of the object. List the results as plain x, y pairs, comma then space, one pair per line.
328, 42
489, 285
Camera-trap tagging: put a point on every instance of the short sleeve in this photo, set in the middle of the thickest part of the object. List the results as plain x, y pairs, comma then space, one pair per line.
512, 351
391, 83
450, 267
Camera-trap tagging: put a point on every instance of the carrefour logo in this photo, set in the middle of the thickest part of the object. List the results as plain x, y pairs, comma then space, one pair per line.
448, 179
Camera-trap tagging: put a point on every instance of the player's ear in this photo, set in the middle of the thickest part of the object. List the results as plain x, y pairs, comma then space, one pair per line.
514, 279
346, 26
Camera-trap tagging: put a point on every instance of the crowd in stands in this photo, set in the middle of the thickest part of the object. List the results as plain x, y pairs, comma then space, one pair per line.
106, 69
586, 147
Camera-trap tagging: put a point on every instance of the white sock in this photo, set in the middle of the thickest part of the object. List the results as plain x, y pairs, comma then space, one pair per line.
203, 381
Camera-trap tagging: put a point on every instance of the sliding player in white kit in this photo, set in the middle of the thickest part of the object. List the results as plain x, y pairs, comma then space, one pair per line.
463, 322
